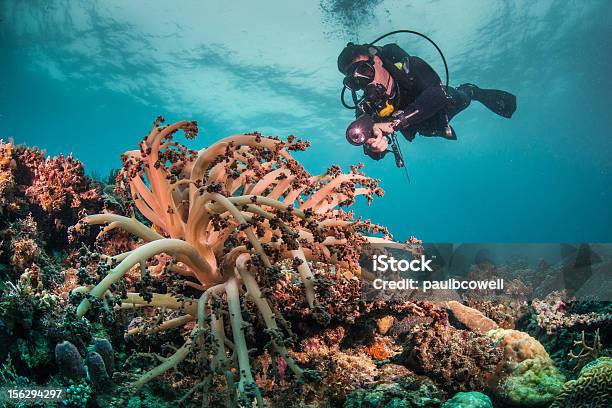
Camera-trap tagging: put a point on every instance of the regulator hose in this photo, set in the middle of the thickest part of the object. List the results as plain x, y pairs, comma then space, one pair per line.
423, 36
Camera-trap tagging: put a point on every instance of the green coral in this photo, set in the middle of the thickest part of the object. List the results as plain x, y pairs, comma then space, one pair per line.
471, 399
534, 382
142, 400
10, 379
592, 388
526, 376
35, 354
136, 402
404, 394
77, 395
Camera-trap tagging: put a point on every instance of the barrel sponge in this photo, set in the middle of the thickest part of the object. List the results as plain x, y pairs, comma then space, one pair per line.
526, 375
97, 371
69, 361
471, 318
592, 388
104, 348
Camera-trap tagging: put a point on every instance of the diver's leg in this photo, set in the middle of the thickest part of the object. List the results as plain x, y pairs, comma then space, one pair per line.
409, 133
501, 102
459, 99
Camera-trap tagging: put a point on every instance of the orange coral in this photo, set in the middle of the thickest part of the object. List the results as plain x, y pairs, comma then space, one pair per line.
58, 183
378, 351
56, 190
226, 217
7, 165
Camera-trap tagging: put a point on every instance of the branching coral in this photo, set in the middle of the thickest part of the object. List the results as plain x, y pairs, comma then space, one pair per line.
554, 313
227, 215
587, 353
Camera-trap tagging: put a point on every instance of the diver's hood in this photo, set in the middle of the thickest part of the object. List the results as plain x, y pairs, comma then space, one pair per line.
349, 53
390, 52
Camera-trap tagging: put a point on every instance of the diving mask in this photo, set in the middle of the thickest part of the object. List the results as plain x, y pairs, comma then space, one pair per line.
359, 75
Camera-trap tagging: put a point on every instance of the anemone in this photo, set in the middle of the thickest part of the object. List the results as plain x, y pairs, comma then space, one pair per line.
222, 218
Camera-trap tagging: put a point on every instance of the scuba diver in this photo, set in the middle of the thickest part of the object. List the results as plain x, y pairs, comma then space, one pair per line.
402, 92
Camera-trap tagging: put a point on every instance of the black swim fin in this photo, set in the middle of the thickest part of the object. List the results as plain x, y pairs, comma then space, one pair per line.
501, 102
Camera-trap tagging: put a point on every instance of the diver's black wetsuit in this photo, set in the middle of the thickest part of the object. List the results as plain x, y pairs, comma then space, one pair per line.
422, 91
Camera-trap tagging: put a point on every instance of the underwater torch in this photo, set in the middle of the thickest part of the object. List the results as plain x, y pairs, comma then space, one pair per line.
362, 129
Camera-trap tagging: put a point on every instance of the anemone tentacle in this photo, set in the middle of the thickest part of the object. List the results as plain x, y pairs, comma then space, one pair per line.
229, 214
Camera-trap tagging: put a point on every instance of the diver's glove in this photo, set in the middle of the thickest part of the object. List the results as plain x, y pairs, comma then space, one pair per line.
374, 154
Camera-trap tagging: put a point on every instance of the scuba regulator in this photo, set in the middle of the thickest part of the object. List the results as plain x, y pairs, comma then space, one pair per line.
375, 102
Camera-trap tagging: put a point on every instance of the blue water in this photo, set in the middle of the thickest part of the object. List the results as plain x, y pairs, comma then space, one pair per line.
90, 78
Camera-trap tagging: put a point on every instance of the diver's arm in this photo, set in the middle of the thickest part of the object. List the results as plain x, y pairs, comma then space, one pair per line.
430, 100
428, 103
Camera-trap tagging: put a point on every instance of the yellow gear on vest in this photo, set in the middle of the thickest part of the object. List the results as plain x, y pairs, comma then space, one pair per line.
386, 111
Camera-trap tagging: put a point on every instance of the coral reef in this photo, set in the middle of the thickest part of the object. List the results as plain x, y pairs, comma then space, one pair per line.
29, 319
574, 328
352, 378
504, 314
54, 189
58, 183
406, 392
230, 276
226, 217
342, 372
510, 305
